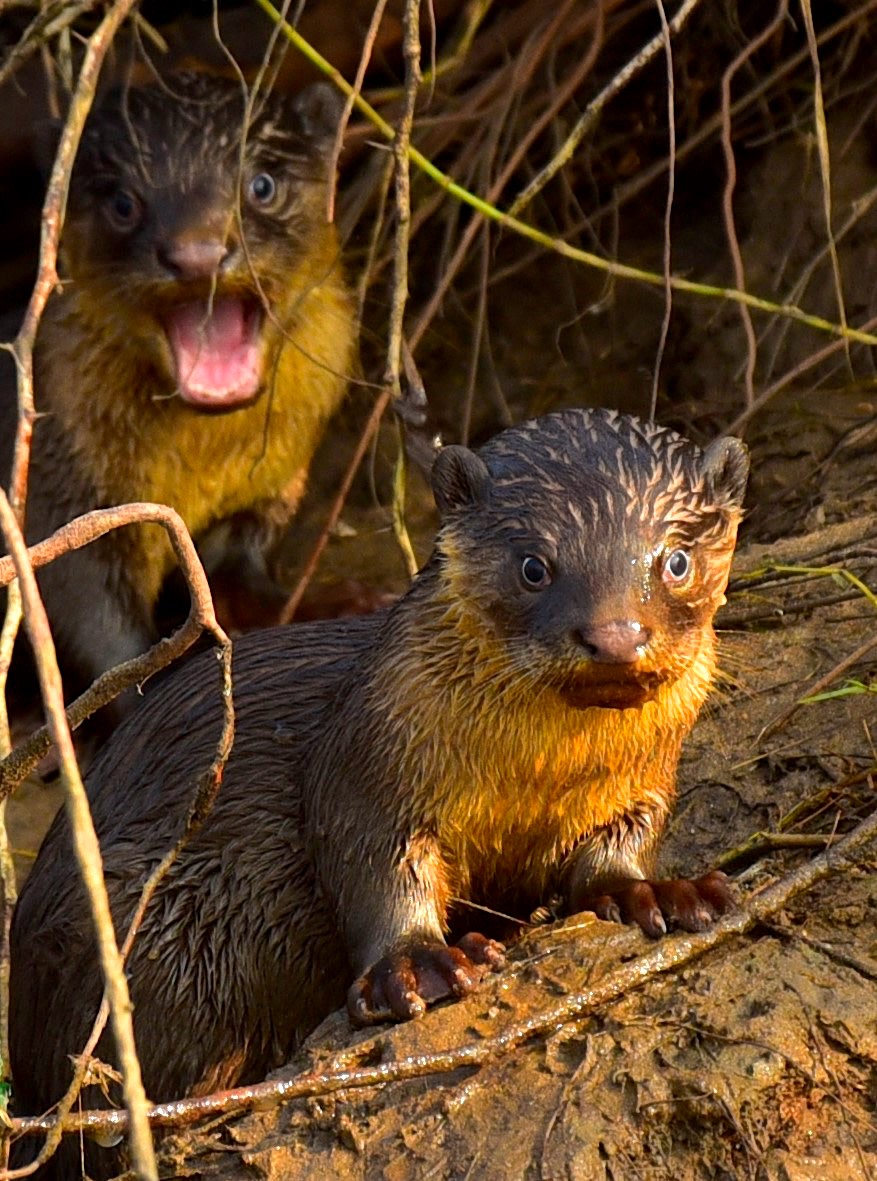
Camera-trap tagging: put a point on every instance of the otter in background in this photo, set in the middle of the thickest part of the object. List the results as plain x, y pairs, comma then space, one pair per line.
507, 730
199, 343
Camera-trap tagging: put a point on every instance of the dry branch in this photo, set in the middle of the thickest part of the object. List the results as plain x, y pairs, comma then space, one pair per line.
52, 219
87, 851
201, 617
8, 633
80, 532
824, 160
731, 180
85, 843
48, 23
399, 299
671, 953
668, 210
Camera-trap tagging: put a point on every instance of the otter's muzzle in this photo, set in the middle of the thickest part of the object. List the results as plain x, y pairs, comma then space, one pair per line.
621, 641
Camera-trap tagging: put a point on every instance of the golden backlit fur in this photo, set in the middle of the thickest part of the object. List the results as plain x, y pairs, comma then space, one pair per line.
115, 421
482, 740
150, 445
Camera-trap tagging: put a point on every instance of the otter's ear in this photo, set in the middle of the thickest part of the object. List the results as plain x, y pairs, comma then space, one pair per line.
318, 108
726, 468
459, 478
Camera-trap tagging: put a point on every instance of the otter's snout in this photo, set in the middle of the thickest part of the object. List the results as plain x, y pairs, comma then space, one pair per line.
192, 257
621, 641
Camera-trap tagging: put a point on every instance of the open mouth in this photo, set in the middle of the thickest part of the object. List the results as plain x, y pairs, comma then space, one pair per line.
217, 350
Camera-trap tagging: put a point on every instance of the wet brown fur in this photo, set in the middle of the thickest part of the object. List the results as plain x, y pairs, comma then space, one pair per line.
112, 427
441, 749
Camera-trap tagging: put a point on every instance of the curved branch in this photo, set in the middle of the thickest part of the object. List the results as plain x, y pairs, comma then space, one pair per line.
85, 843
673, 952
79, 532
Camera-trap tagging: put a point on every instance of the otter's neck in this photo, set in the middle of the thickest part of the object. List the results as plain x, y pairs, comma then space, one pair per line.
488, 754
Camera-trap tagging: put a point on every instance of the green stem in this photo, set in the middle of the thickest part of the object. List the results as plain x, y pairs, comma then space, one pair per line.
557, 245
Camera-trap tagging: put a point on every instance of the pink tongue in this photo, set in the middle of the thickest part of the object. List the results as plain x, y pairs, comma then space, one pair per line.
216, 351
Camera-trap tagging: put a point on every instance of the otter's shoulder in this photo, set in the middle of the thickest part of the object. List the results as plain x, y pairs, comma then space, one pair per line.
284, 680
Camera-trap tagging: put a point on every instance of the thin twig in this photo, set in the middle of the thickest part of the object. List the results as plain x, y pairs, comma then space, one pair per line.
789, 378
368, 432
399, 297
81, 531
858, 210
830, 677
48, 23
824, 162
52, 219
836, 954
85, 845
8, 633
478, 324
364, 59
730, 183
592, 112
766, 842
668, 208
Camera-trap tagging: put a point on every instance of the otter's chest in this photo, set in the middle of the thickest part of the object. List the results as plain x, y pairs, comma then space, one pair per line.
515, 825
209, 468
518, 838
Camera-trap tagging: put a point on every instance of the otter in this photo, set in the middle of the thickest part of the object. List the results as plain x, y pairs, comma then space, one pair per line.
508, 729
199, 342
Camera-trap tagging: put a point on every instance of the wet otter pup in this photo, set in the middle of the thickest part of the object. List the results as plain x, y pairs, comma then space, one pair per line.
509, 728
199, 343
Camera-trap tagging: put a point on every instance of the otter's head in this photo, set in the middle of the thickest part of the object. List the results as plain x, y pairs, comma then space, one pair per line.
593, 547
194, 218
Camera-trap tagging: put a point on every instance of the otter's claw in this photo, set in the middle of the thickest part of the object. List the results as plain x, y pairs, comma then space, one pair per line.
403, 983
692, 905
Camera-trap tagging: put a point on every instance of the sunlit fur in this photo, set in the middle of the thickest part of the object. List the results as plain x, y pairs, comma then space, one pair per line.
113, 420
462, 733
387, 766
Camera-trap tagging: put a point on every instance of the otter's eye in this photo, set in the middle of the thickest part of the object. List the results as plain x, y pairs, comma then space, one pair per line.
124, 209
678, 566
535, 573
262, 189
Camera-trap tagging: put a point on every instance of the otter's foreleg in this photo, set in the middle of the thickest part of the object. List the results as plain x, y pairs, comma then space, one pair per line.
610, 874
393, 927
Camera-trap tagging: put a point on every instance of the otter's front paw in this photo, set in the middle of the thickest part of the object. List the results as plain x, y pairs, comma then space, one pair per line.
408, 979
692, 905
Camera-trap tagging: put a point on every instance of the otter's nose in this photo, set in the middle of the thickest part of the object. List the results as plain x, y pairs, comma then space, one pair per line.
193, 258
619, 642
